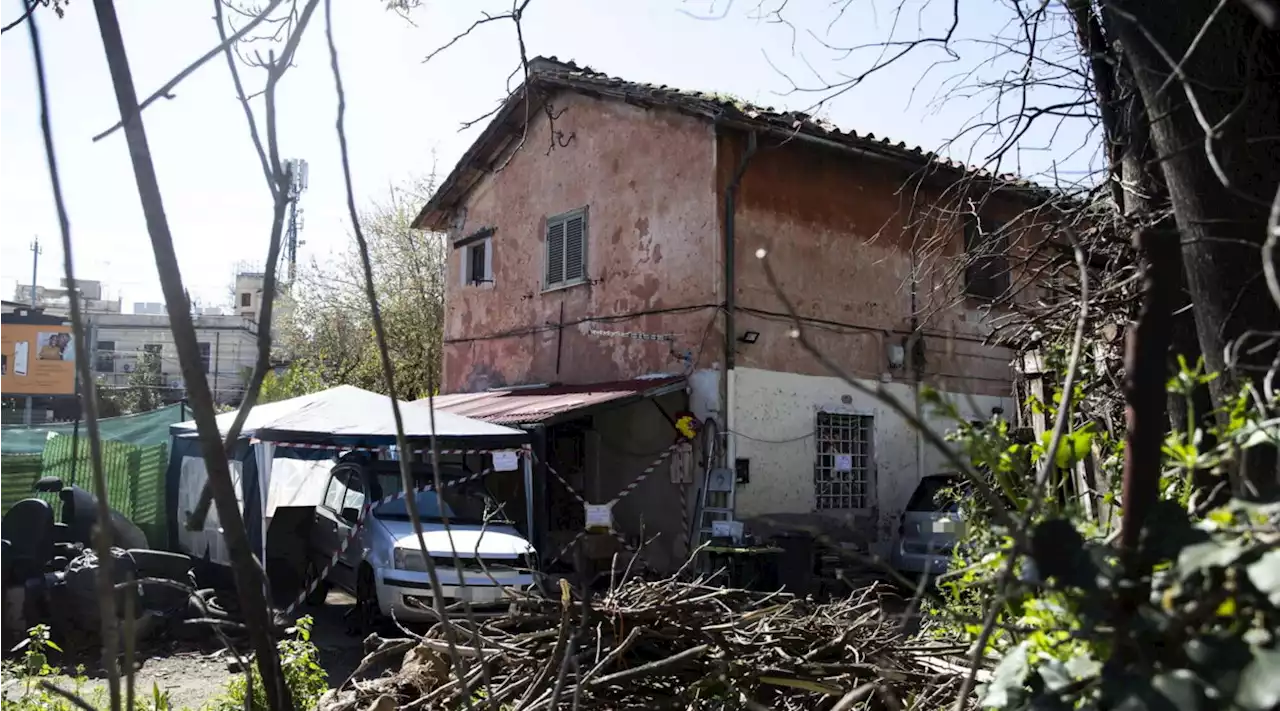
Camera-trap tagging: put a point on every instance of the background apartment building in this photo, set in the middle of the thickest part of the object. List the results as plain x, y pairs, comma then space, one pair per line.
228, 348
118, 340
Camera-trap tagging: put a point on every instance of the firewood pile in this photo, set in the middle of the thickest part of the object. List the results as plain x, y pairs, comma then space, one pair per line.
664, 644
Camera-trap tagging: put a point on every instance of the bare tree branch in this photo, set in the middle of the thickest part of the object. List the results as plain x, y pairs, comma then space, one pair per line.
249, 577
388, 369
89, 398
165, 91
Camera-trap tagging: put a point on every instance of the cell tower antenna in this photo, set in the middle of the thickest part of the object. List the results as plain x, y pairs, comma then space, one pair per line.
297, 169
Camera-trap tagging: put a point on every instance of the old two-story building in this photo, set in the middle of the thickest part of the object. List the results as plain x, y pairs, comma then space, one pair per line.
608, 269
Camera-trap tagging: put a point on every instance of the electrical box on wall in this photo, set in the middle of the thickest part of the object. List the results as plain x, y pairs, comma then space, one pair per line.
742, 470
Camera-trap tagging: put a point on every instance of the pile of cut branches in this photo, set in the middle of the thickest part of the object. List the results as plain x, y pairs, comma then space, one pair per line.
664, 644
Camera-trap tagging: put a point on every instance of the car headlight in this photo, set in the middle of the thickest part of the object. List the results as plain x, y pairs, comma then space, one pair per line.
411, 560
529, 563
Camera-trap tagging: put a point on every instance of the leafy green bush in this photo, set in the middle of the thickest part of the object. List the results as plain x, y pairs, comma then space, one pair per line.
34, 668
1072, 630
300, 661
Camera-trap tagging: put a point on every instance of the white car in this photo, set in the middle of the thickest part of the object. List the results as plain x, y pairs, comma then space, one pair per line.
383, 565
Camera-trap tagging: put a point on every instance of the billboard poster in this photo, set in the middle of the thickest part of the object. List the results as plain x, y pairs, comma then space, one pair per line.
37, 359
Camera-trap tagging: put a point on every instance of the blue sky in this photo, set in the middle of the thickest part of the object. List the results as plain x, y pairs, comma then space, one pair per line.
401, 113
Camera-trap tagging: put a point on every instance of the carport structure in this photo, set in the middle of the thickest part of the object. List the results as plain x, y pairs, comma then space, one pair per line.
285, 450
602, 443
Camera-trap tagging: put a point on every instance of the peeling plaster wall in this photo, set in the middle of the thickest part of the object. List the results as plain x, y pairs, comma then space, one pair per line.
648, 181
838, 233
775, 418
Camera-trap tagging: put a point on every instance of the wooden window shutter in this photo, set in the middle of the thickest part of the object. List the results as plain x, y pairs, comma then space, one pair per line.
555, 253
575, 248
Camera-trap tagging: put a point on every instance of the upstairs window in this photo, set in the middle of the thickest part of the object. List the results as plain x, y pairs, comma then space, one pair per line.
477, 257
986, 249
205, 355
246, 300
566, 250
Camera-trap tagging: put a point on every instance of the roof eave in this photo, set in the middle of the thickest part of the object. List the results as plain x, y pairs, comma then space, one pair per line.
435, 214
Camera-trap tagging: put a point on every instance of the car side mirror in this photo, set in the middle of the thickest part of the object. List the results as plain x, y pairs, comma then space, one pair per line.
351, 515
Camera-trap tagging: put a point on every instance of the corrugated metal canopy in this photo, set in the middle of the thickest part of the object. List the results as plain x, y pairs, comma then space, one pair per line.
522, 406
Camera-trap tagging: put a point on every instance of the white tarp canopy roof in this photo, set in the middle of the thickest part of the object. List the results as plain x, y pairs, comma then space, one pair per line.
357, 416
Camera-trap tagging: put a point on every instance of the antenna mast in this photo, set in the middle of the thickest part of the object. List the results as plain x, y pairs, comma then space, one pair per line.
297, 169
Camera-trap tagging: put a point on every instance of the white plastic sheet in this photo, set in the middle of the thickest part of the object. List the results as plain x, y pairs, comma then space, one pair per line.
191, 482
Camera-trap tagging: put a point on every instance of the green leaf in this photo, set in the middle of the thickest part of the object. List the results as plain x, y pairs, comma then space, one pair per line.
1210, 554
1264, 573
1059, 552
1007, 679
1081, 444
1181, 688
1055, 674
1168, 532
1259, 687
52, 645
1083, 666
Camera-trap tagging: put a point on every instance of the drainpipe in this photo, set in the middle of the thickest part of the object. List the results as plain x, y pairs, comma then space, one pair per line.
916, 356
730, 297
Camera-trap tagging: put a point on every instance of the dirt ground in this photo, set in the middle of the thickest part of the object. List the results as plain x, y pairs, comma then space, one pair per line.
192, 677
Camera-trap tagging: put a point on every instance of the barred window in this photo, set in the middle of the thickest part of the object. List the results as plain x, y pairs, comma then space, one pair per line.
843, 467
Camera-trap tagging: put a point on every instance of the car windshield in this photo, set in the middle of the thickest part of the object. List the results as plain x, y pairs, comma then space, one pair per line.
461, 504
930, 495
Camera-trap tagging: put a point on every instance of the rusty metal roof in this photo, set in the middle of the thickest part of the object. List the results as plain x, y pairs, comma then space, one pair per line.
520, 406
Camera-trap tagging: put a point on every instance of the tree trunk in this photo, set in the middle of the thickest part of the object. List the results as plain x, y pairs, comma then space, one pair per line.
1220, 190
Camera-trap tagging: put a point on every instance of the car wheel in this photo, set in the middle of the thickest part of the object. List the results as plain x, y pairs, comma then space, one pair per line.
316, 595
368, 615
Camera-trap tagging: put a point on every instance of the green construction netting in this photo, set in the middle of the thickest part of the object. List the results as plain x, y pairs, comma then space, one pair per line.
134, 458
144, 430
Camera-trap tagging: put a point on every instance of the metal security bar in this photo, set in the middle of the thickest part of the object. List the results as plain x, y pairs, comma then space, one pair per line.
842, 467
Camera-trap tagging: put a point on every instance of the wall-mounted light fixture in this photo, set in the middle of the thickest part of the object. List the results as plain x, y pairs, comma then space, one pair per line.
897, 355
749, 337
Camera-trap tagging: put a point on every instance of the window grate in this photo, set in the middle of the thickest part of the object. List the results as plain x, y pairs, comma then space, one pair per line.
842, 469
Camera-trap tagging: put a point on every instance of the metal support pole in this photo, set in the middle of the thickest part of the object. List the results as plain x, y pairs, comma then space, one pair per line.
217, 348
35, 261
528, 495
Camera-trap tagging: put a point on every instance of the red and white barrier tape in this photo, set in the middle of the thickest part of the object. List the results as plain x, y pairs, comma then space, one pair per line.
355, 529
524, 451
621, 495
521, 450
